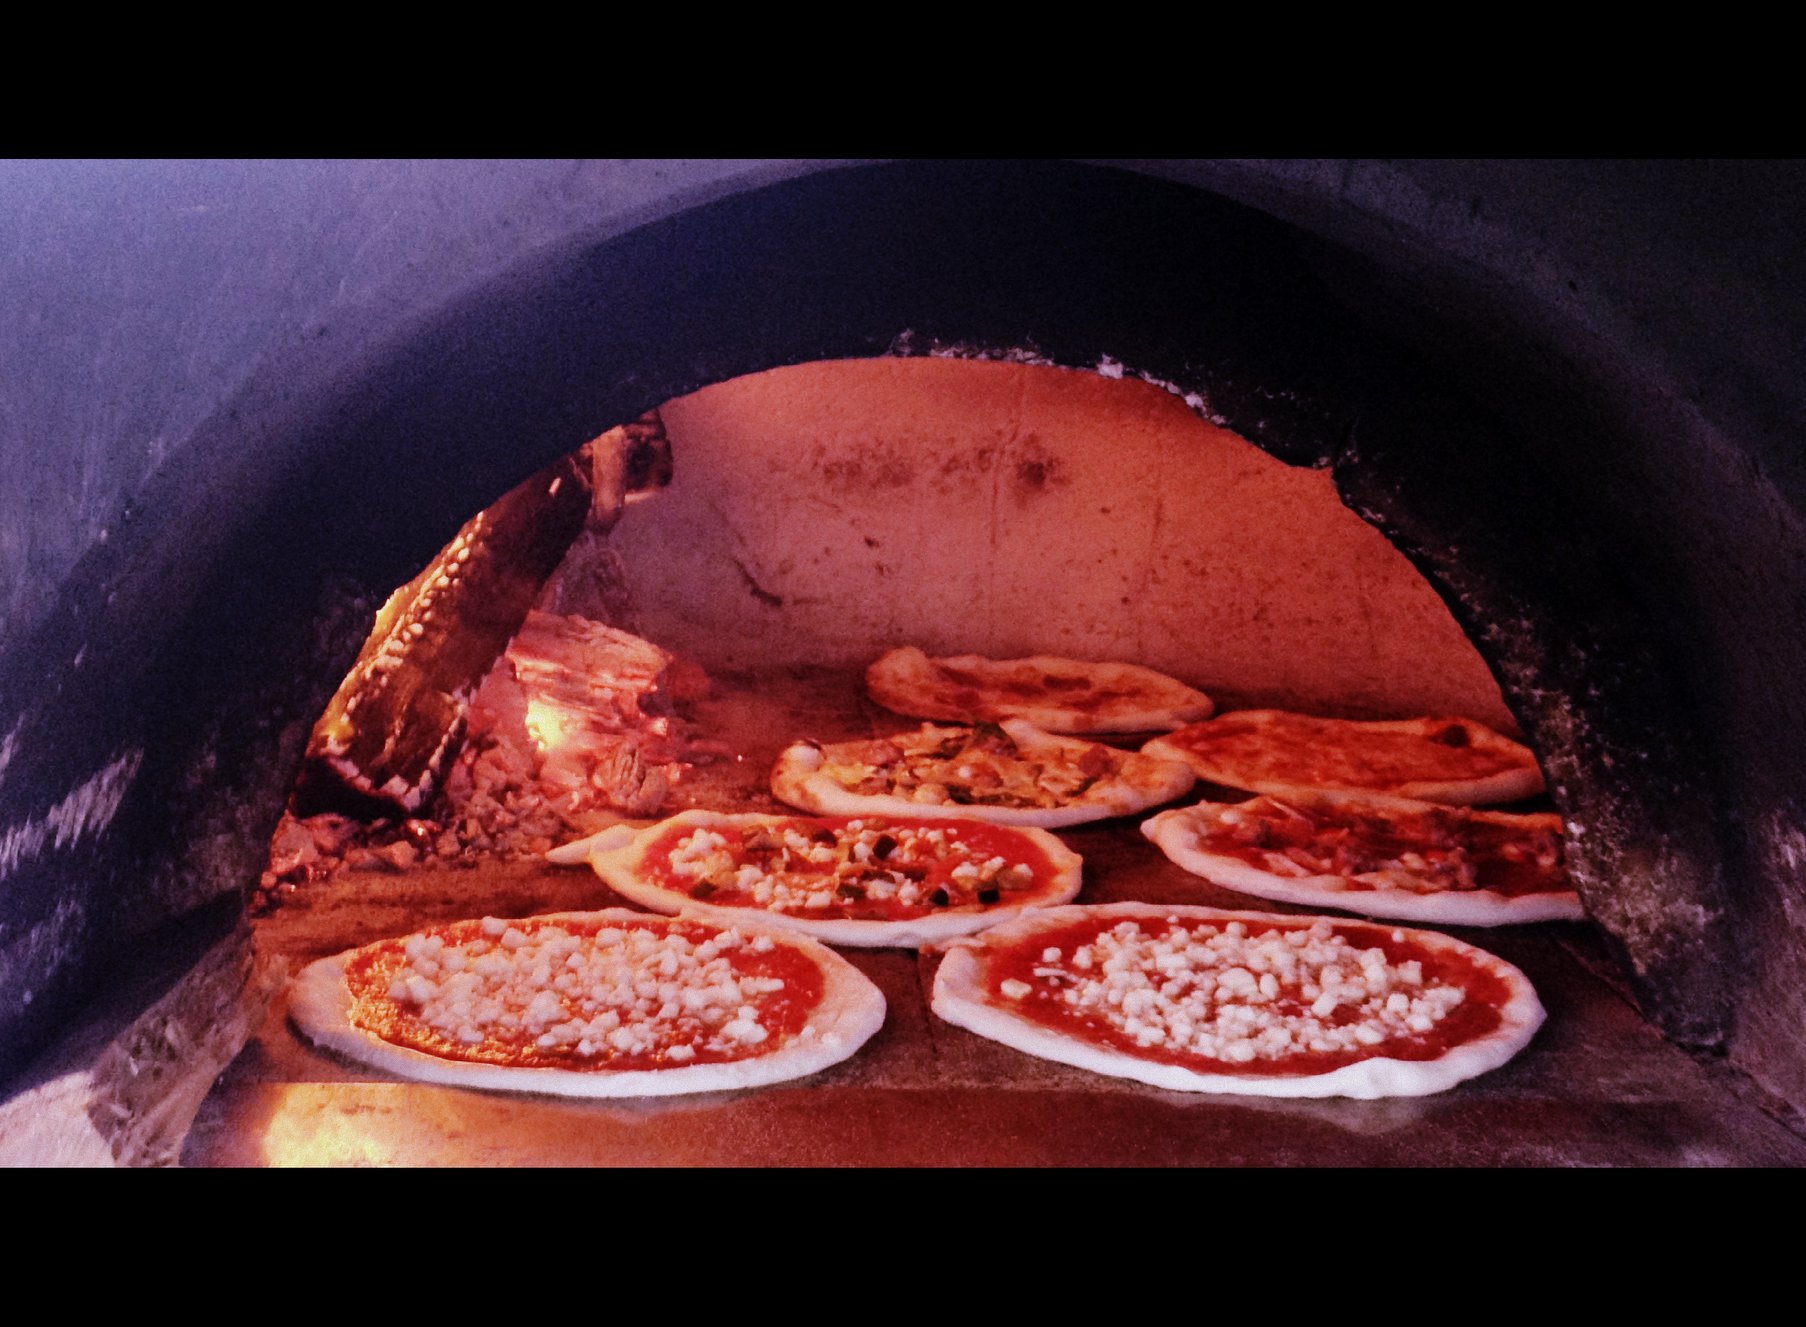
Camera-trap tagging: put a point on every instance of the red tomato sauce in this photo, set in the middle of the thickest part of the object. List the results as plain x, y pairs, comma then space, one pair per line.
1476, 1016
370, 970
1330, 839
931, 866
1306, 750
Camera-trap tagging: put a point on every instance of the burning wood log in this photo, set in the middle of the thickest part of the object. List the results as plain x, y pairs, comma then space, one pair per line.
634, 458
577, 719
388, 733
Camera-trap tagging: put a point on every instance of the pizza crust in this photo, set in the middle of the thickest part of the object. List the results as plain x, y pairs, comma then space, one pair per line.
961, 997
1290, 741
1056, 695
804, 777
1175, 834
618, 861
850, 1010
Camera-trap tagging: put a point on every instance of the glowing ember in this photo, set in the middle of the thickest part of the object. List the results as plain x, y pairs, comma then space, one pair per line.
548, 725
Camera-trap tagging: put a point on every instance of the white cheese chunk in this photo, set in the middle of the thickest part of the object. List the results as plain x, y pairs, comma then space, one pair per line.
1225, 994
628, 991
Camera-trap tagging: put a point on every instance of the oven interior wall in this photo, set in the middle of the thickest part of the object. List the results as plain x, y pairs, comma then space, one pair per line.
252, 397
823, 513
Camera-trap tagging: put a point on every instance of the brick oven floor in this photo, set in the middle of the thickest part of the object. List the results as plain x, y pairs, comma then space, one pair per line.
1597, 1087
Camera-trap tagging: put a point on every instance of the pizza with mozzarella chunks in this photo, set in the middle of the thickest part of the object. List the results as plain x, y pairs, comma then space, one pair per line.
1433, 760
861, 881
593, 1004
1009, 774
1379, 856
1056, 695
1242, 1003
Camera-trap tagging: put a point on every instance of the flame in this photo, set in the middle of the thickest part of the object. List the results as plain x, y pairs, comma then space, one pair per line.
547, 725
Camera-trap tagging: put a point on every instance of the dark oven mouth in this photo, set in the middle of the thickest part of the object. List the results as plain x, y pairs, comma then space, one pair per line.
838, 358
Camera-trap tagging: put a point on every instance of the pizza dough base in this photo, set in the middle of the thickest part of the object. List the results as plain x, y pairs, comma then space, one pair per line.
1172, 833
1141, 781
851, 1009
617, 860
910, 682
960, 998
1507, 785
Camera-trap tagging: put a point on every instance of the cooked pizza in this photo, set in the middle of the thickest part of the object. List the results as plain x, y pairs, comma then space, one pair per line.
1434, 760
1056, 695
1246, 1003
1385, 857
1009, 774
591, 1004
865, 880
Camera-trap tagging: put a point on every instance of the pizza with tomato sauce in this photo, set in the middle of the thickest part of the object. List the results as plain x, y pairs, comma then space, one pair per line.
1382, 856
1245, 1003
863, 880
593, 1004
1056, 695
1010, 773
1434, 760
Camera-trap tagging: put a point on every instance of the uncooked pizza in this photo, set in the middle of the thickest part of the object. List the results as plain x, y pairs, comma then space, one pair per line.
1246, 1003
1009, 774
1056, 695
593, 1004
863, 880
1384, 857
1434, 760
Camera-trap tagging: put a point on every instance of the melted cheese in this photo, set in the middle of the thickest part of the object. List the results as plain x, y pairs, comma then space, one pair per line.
626, 992
1223, 994
792, 880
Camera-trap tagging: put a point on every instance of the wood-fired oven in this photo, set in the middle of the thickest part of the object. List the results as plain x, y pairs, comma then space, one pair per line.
1129, 408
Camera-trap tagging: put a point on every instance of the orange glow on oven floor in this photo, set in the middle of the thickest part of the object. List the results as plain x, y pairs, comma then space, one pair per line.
409, 1124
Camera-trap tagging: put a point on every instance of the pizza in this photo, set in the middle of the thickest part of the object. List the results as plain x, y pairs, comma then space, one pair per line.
1056, 695
1009, 774
591, 1004
1245, 1003
1385, 857
1434, 760
868, 880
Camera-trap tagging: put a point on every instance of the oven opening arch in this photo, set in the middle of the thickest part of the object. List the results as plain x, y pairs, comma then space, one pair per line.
1161, 283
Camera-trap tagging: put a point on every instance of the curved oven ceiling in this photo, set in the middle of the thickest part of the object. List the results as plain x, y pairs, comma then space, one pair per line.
152, 715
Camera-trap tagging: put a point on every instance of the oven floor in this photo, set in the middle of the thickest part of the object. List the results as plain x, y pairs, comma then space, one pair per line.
1596, 1088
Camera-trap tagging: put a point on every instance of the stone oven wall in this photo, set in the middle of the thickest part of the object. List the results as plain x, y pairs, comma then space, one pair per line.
247, 399
825, 512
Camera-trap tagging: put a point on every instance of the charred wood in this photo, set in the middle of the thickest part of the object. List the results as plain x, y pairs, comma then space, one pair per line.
386, 735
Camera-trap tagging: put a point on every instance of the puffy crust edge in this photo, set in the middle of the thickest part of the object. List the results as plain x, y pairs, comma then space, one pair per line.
959, 998
1506, 786
907, 680
619, 866
1171, 832
851, 1009
1144, 781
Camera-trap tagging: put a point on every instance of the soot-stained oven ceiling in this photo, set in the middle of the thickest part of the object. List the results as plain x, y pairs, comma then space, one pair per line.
1568, 391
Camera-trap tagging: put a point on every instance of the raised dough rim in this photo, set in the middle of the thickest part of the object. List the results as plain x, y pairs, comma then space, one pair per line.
796, 776
1476, 907
851, 1010
618, 868
908, 663
958, 998
1505, 786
